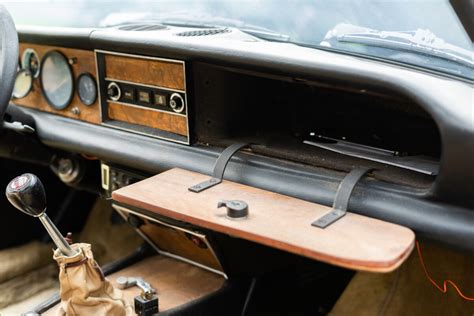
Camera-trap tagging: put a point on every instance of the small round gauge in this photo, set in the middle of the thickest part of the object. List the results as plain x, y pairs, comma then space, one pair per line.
87, 88
23, 84
57, 81
30, 61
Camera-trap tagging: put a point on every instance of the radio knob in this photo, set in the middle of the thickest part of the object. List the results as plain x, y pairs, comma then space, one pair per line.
113, 91
177, 102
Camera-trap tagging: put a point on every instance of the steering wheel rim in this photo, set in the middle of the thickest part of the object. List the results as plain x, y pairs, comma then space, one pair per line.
8, 59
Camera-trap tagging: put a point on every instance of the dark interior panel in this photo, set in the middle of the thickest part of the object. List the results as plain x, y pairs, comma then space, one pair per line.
278, 114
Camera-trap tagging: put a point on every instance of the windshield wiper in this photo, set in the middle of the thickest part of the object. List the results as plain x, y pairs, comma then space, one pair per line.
419, 41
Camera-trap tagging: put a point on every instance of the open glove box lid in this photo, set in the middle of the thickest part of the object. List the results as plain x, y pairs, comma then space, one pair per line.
355, 241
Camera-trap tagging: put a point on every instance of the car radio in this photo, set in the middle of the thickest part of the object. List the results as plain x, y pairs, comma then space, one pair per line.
142, 94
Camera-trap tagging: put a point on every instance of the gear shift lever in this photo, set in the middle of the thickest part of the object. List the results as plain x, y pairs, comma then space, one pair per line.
26, 193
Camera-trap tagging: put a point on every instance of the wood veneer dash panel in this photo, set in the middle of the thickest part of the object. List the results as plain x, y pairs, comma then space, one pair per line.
355, 241
85, 63
160, 73
150, 118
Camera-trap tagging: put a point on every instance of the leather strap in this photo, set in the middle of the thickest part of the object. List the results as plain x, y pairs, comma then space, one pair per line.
343, 195
219, 168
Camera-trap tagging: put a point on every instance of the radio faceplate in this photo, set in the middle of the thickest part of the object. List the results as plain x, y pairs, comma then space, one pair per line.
145, 95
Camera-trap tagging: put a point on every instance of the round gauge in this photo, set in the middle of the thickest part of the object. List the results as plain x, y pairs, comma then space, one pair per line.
57, 80
87, 88
23, 84
30, 61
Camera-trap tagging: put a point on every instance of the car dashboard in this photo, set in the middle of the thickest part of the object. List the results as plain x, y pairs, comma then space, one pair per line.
142, 101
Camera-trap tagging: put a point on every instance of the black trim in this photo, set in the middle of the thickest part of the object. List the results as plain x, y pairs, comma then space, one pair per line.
51, 103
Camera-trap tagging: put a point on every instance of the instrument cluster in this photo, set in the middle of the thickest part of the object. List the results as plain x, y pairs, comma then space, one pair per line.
56, 77
140, 94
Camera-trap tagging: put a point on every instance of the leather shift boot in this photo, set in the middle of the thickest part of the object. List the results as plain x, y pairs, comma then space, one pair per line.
84, 290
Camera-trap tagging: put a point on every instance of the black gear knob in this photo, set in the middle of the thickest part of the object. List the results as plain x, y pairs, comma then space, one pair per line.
26, 193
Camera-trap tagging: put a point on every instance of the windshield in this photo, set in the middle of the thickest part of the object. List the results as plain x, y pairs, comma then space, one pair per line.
423, 33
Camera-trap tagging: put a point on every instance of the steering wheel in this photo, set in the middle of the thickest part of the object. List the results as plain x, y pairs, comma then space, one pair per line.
8, 59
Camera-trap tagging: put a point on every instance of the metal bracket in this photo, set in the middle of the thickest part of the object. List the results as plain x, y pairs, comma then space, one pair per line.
219, 168
343, 195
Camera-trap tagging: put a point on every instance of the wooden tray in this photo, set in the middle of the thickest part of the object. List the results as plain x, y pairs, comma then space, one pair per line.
355, 241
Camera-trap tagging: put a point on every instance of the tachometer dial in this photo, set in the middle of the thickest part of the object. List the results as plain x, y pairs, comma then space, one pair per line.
23, 84
30, 61
57, 80
87, 88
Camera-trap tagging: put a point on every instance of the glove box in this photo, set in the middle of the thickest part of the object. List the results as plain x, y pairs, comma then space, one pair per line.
356, 242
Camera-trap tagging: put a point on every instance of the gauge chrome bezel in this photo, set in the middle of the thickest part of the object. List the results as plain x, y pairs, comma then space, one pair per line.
71, 74
24, 65
90, 76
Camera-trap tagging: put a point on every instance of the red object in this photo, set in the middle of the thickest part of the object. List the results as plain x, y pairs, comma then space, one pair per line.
443, 289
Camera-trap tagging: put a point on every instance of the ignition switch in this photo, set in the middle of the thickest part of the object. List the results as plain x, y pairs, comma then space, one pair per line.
69, 169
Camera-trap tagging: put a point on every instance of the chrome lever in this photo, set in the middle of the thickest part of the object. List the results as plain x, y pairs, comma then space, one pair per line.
127, 282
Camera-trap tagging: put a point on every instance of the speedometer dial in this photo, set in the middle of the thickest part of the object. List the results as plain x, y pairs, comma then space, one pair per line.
57, 81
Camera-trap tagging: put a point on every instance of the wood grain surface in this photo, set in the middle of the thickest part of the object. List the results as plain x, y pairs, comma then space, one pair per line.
176, 282
175, 242
150, 118
355, 241
160, 73
85, 63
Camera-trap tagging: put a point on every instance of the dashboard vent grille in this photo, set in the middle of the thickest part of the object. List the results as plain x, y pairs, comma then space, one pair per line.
142, 27
205, 32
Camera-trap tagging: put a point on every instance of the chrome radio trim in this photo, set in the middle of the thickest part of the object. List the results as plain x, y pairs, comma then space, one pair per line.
101, 114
